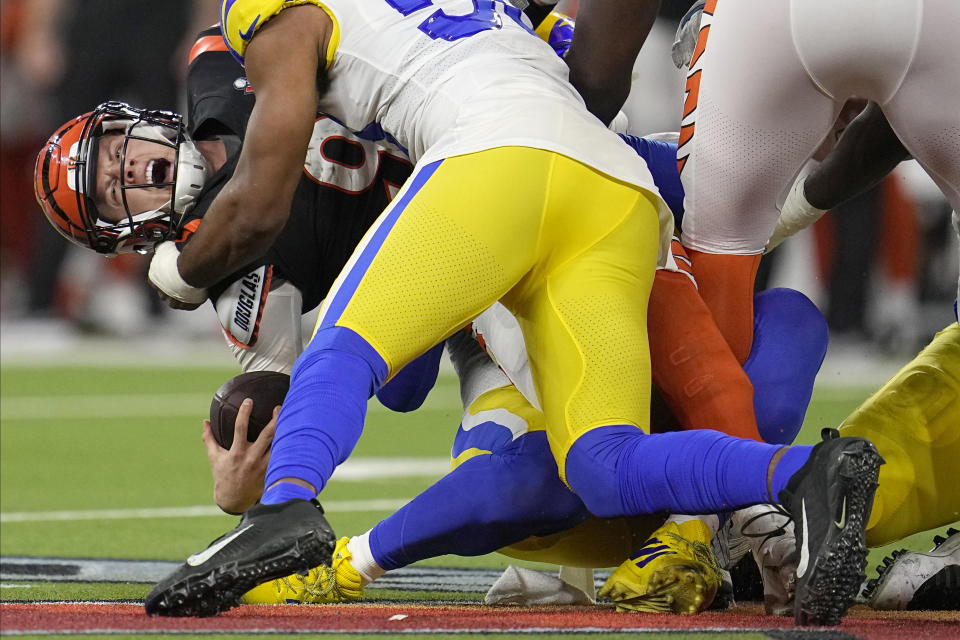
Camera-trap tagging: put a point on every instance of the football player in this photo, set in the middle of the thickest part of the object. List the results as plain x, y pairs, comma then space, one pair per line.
259, 307
163, 157
816, 55
908, 417
571, 250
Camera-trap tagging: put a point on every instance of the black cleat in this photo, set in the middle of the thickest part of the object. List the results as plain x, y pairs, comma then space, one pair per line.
271, 541
830, 499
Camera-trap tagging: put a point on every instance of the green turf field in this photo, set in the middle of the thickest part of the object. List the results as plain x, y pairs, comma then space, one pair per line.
82, 449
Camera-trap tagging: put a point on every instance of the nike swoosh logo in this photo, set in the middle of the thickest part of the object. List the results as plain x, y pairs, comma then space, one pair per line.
843, 515
805, 548
199, 558
245, 36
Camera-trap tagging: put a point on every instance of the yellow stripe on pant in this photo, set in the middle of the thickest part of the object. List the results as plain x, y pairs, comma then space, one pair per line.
914, 420
570, 251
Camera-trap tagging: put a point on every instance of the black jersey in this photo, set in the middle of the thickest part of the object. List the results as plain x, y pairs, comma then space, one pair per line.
346, 184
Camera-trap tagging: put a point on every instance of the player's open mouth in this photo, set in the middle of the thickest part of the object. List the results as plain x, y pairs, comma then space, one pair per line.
159, 172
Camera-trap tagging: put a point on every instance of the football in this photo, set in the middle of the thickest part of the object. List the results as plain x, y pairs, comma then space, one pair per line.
267, 389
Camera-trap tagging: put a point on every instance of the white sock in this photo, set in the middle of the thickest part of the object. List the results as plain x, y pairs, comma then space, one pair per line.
362, 559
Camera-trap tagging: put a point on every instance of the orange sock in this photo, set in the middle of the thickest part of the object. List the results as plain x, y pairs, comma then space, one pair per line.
692, 365
726, 286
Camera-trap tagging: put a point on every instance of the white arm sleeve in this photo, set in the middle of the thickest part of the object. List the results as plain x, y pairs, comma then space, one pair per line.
279, 340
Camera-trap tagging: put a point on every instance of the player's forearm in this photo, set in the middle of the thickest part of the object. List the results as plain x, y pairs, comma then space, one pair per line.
230, 237
867, 151
606, 42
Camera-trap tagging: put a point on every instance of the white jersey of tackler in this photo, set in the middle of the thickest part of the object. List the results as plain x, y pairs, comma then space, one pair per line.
446, 78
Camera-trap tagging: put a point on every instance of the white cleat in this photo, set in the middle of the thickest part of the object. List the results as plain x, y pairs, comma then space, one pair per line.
767, 533
917, 581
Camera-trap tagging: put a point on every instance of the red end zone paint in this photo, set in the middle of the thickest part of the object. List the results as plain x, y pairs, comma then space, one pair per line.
130, 618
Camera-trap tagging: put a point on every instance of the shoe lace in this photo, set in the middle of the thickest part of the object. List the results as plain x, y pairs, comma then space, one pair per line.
322, 588
702, 553
776, 532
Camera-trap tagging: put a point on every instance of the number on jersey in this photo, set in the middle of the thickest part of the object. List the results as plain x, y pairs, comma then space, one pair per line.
439, 25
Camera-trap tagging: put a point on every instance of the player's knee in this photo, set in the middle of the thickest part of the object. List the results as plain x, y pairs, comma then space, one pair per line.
593, 468
796, 314
789, 329
341, 343
524, 489
780, 422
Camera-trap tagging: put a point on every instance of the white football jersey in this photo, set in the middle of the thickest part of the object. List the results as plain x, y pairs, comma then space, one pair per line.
445, 78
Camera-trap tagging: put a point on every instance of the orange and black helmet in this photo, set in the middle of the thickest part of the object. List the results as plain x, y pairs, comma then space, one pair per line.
65, 179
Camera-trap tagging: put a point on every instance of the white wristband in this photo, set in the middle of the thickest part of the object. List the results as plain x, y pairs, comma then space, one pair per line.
796, 215
165, 276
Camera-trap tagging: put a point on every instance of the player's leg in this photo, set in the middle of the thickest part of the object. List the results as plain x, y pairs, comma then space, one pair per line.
503, 489
589, 358
693, 367
790, 342
922, 112
788, 329
913, 420
589, 351
751, 117
431, 263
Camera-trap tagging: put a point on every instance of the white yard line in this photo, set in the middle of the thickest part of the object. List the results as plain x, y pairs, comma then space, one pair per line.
196, 511
355, 470
84, 407
159, 405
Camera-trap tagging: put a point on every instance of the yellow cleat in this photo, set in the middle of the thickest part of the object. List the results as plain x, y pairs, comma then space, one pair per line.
675, 571
322, 584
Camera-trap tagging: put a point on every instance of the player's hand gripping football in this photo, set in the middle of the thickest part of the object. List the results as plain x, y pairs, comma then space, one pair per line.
238, 472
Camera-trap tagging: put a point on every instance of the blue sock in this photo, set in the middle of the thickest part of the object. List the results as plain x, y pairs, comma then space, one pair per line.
283, 491
488, 502
791, 461
324, 411
789, 343
618, 470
